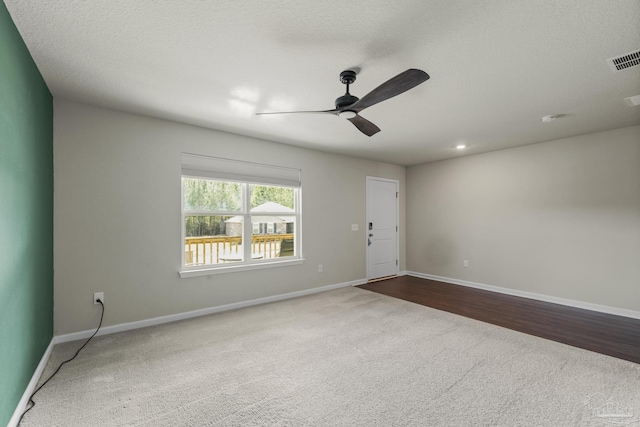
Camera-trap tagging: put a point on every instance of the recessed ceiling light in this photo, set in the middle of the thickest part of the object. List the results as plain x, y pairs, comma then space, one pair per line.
461, 146
549, 118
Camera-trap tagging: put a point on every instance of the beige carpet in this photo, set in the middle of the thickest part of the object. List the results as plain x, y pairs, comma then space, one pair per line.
347, 357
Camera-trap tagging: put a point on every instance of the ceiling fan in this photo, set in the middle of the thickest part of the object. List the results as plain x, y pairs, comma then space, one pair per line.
349, 106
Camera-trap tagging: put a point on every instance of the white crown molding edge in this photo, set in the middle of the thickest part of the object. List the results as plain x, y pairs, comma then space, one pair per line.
531, 295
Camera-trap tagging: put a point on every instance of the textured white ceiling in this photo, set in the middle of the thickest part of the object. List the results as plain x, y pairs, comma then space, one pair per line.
496, 67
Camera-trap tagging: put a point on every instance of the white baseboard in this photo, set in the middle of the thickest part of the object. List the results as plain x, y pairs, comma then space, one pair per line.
13, 422
196, 313
541, 297
22, 405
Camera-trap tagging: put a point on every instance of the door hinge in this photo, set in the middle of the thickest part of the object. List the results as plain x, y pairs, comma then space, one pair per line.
396, 262
397, 194
396, 228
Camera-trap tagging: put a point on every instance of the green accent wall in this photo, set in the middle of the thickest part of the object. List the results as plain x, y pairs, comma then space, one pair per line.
26, 217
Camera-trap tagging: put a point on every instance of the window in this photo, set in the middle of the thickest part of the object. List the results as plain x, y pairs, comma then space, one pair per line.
238, 215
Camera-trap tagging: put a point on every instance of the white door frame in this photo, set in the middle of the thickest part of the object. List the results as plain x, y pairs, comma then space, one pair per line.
397, 214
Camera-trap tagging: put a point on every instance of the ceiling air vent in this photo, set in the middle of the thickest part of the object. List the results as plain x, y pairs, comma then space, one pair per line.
622, 62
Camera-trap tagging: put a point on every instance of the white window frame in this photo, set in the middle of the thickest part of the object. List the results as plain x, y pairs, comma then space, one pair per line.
245, 173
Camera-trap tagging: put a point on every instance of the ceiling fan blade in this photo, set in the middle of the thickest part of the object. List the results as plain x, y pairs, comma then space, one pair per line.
364, 125
334, 111
392, 87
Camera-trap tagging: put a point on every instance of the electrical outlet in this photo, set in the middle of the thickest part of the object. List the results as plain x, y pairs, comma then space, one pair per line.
319, 268
98, 296
465, 263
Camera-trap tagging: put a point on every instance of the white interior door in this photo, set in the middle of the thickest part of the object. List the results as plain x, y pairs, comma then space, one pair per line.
382, 228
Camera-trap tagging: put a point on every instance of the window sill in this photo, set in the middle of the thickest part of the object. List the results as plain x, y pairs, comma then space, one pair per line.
206, 271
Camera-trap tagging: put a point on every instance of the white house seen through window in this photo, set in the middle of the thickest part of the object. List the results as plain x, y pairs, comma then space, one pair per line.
237, 213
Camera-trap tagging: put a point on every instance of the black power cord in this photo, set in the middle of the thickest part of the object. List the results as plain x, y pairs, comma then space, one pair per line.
31, 401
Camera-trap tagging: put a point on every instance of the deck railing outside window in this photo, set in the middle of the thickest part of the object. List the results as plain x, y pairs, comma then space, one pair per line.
204, 250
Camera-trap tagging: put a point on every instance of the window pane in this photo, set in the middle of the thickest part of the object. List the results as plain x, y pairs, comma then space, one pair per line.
212, 239
216, 213
210, 195
272, 236
268, 198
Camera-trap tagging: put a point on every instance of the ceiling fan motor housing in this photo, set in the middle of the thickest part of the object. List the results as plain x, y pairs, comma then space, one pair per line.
345, 100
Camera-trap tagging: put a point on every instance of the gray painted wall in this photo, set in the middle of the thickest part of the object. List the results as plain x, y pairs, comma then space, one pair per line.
117, 217
560, 218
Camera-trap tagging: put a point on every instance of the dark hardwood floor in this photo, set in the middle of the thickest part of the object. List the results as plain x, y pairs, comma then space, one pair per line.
615, 336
